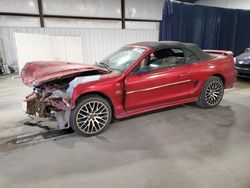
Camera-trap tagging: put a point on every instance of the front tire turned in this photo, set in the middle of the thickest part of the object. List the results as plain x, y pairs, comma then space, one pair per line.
91, 116
212, 93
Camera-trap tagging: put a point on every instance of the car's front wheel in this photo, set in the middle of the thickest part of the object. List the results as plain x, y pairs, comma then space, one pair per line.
212, 93
91, 116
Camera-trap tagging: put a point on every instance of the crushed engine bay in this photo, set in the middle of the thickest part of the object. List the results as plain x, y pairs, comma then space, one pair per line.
54, 98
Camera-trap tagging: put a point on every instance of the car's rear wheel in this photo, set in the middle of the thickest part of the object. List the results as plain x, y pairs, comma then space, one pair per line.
91, 116
212, 93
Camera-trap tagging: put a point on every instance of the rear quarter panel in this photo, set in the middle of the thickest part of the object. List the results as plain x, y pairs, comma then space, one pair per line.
221, 65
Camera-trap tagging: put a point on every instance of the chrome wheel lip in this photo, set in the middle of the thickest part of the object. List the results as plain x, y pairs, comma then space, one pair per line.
214, 93
92, 117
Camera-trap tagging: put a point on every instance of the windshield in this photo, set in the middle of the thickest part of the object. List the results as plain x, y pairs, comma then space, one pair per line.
121, 59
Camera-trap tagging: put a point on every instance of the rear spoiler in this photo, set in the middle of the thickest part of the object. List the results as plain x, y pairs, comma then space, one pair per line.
222, 52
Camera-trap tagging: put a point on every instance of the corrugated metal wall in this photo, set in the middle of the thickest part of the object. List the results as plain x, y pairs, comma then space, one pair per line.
96, 43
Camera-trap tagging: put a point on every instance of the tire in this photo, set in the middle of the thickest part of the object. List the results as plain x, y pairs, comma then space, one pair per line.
212, 93
91, 116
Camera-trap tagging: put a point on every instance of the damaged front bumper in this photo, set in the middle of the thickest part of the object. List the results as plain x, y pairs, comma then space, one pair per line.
54, 84
53, 99
45, 102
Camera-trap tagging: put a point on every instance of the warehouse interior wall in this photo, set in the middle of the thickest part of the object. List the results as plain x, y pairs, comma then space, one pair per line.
99, 37
96, 43
235, 4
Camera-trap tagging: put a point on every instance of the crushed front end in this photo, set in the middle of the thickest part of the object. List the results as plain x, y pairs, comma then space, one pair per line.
53, 84
49, 100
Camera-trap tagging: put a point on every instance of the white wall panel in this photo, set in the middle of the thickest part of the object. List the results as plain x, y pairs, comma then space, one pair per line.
40, 47
19, 21
73, 49
142, 25
20, 6
144, 9
96, 8
57, 44
96, 43
32, 47
77, 23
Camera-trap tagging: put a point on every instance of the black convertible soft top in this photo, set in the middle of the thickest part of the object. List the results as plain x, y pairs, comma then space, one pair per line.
175, 44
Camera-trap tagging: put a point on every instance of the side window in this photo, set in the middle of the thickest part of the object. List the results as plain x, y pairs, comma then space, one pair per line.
167, 58
179, 56
190, 57
144, 64
161, 59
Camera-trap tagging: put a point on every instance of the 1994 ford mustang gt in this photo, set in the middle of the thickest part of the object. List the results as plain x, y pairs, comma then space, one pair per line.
136, 78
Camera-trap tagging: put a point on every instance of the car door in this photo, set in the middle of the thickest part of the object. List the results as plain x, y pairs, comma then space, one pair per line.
160, 85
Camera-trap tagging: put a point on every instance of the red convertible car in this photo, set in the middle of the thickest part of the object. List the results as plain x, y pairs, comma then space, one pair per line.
137, 78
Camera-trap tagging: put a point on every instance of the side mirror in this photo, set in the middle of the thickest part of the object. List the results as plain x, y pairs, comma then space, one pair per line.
143, 70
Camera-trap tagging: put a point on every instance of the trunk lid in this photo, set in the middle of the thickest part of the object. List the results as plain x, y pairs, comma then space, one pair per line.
39, 72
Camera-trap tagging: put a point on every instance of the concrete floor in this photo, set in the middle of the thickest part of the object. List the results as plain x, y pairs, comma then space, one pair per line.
183, 147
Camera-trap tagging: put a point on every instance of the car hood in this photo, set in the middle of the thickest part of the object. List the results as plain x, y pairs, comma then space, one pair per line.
245, 58
39, 72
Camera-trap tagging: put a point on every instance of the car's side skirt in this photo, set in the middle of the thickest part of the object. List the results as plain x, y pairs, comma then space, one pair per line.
155, 107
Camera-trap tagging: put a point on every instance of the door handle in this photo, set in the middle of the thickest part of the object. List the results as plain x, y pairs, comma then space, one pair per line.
184, 75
